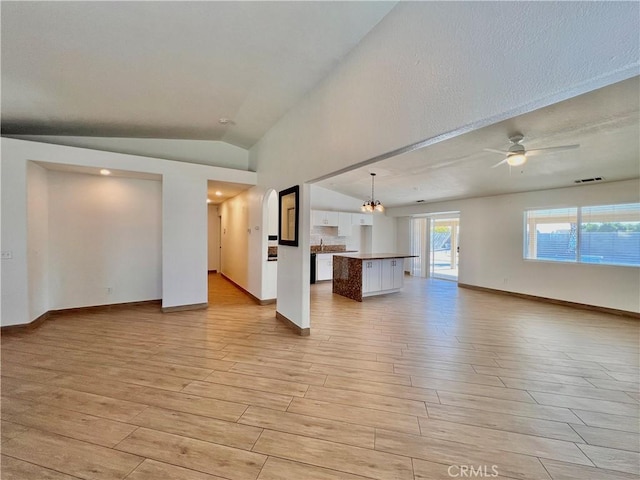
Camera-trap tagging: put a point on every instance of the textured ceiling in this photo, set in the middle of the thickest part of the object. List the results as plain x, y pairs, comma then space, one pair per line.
605, 122
169, 69
172, 69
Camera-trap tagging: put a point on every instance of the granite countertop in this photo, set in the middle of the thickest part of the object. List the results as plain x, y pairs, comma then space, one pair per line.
328, 248
324, 252
377, 256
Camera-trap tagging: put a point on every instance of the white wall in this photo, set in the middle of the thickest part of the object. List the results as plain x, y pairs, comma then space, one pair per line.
184, 240
15, 304
293, 281
205, 152
235, 239
366, 239
244, 241
272, 209
184, 219
270, 289
428, 94
383, 234
37, 239
491, 247
270, 271
325, 199
105, 240
213, 234
403, 239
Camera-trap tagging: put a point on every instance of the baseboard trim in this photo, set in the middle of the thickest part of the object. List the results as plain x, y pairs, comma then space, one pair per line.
185, 308
213, 271
268, 301
566, 303
25, 327
66, 311
100, 308
303, 332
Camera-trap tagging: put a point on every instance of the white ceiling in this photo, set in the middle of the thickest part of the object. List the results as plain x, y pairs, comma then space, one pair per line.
172, 69
606, 124
227, 190
169, 69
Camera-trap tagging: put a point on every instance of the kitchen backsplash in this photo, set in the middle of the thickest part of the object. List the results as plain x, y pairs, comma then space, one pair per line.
329, 236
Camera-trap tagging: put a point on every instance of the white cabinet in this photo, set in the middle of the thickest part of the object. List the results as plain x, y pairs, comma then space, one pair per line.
375, 274
324, 218
392, 272
361, 219
344, 224
324, 266
382, 276
371, 278
343, 220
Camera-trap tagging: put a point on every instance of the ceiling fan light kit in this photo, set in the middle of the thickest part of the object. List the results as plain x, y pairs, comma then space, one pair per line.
517, 154
516, 159
372, 205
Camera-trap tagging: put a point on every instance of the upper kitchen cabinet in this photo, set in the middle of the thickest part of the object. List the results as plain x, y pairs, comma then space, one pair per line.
324, 218
362, 219
344, 224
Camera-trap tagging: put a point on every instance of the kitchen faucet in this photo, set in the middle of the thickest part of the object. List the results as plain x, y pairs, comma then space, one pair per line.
321, 246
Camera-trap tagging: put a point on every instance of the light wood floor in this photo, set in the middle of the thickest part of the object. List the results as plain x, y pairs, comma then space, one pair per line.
415, 385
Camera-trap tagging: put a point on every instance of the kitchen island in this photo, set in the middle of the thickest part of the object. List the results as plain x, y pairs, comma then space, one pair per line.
361, 275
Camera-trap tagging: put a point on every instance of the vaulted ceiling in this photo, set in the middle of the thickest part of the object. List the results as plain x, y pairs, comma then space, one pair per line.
173, 70
169, 69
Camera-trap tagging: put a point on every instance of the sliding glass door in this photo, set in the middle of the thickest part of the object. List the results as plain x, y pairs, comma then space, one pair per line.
444, 234
434, 241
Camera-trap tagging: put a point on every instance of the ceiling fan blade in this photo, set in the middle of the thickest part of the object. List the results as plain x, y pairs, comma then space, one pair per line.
539, 151
442, 164
495, 151
500, 163
447, 163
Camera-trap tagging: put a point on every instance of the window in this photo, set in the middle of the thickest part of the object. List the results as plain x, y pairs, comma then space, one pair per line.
608, 234
552, 234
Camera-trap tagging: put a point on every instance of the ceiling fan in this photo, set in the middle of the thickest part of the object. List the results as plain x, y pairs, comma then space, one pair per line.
517, 154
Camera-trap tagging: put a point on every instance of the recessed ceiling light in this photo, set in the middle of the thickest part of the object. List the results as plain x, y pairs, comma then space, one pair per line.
224, 121
218, 193
209, 200
104, 171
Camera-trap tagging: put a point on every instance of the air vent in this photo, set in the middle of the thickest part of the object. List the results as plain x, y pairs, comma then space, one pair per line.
589, 180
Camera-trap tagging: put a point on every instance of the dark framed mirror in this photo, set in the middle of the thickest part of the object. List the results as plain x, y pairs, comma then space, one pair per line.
288, 215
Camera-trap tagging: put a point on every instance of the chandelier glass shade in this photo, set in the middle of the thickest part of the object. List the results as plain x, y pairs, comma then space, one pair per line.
372, 205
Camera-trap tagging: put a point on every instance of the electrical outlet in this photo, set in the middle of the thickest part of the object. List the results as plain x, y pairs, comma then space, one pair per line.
109, 290
7, 255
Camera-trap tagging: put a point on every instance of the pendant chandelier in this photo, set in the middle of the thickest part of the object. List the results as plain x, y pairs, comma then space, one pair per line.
372, 205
